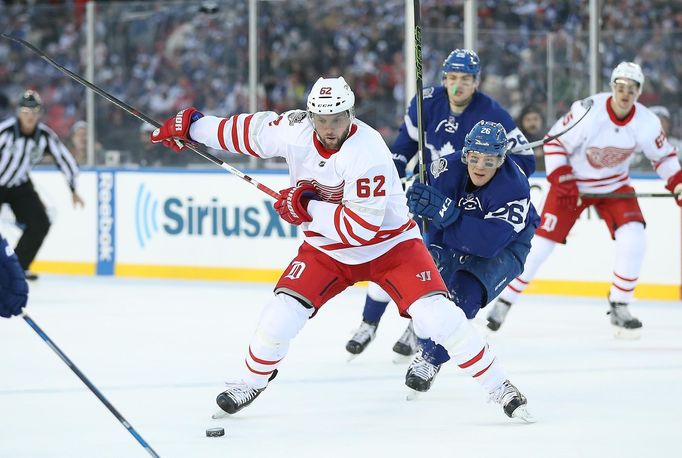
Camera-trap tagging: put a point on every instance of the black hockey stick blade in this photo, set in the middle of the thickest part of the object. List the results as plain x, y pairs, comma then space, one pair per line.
589, 103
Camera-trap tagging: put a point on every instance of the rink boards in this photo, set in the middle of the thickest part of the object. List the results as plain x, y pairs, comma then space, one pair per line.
212, 225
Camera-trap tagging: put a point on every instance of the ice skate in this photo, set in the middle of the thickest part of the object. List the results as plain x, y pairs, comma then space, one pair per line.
420, 376
498, 314
237, 396
512, 401
627, 326
406, 346
362, 337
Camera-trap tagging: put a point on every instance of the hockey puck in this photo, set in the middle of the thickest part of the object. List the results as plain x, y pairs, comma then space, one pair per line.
215, 432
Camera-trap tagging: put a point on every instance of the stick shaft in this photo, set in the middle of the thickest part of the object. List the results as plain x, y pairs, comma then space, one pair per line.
197, 148
626, 195
420, 96
87, 383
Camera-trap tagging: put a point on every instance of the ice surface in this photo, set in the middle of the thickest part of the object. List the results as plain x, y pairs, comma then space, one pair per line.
160, 351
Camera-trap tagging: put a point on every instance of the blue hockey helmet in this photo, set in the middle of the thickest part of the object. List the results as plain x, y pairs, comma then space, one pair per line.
462, 61
487, 138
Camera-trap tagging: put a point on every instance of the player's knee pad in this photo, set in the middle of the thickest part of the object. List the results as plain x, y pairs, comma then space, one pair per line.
467, 292
282, 318
630, 239
375, 292
435, 318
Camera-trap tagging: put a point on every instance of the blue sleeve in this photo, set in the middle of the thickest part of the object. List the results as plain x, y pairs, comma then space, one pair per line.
404, 148
13, 286
525, 161
479, 237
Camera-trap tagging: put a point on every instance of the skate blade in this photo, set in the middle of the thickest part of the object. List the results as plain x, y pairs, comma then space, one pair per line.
522, 413
627, 334
220, 413
412, 395
402, 359
352, 356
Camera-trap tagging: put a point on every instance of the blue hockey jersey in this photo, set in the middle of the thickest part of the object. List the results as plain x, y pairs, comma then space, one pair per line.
493, 215
444, 131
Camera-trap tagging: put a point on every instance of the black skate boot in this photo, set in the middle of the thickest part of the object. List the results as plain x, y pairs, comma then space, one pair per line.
512, 401
627, 326
362, 337
420, 375
407, 345
237, 396
498, 314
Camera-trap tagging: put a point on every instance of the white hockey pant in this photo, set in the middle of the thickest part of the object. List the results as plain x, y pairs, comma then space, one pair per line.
439, 319
282, 318
630, 247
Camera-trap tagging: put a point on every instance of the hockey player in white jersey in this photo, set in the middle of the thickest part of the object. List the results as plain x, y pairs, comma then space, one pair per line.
594, 157
346, 195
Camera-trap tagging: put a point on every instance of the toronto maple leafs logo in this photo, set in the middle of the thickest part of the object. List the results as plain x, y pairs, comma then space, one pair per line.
469, 202
439, 166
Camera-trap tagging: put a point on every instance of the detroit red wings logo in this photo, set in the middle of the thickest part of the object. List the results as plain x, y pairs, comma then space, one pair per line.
609, 156
333, 194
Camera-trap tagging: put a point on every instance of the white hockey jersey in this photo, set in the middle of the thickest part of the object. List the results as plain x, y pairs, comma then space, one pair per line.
601, 147
362, 212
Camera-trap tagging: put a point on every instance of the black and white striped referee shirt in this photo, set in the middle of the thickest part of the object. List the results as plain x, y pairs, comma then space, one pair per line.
18, 153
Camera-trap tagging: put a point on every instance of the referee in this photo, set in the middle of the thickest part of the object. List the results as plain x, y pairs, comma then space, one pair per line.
23, 142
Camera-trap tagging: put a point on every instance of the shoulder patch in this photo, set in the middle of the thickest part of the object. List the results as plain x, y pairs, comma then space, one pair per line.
438, 166
428, 92
296, 117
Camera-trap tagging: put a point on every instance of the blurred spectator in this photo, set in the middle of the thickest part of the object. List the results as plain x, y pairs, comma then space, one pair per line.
78, 142
532, 124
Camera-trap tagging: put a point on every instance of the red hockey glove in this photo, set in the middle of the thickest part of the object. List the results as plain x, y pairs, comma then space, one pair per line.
176, 129
674, 185
563, 182
292, 204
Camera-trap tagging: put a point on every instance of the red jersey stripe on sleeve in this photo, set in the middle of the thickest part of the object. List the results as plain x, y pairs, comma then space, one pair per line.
235, 137
337, 225
358, 219
221, 134
247, 144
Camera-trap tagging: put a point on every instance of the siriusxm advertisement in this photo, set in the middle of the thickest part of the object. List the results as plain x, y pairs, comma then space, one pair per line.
200, 218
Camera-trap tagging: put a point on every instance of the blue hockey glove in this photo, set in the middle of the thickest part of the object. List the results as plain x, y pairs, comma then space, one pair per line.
13, 286
427, 201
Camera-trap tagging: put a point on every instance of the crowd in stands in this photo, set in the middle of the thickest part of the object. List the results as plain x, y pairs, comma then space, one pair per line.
162, 56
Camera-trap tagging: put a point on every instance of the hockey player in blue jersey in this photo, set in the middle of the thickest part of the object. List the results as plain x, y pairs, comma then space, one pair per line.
13, 286
481, 222
450, 112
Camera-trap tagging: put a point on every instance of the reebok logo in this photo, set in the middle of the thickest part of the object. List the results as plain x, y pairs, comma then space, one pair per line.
424, 276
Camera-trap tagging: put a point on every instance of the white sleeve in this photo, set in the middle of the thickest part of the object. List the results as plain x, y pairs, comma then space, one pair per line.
558, 150
254, 134
657, 148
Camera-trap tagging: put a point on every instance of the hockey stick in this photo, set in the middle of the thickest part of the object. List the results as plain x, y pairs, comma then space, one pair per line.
197, 148
420, 95
518, 149
627, 195
87, 382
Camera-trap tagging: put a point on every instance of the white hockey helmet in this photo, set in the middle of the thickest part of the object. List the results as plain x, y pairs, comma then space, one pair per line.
629, 70
331, 96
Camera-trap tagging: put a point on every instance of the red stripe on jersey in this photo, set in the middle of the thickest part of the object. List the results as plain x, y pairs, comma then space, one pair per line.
625, 290
262, 361
555, 154
312, 234
221, 134
255, 371
554, 142
337, 224
518, 279
601, 185
483, 371
586, 180
658, 163
358, 219
473, 360
235, 137
514, 289
356, 237
247, 144
626, 279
